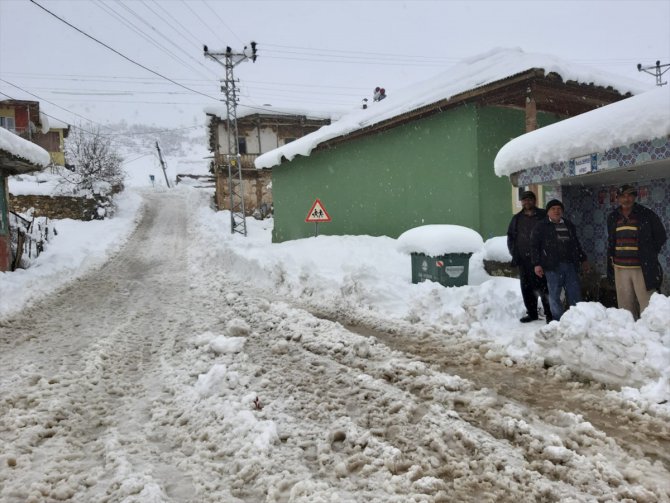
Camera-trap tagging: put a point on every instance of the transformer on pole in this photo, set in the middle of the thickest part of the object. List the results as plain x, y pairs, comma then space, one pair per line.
659, 70
229, 59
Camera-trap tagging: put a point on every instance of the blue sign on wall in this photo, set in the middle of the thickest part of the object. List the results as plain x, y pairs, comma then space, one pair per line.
583, 165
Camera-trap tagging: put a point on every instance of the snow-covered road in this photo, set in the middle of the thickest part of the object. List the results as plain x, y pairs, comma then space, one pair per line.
161, 377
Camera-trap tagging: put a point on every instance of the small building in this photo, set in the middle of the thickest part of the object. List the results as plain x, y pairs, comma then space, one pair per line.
424, 155
259, 131
584, 159
17, 156
24, 119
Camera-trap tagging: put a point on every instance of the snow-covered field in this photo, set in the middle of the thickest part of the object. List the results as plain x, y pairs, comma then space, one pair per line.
156, 357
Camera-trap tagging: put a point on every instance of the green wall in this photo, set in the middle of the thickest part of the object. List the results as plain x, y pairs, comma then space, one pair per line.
437, 170
419, 173
496, 126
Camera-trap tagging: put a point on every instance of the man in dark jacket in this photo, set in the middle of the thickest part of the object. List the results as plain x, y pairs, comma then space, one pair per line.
518, 244
635, 236
556, 253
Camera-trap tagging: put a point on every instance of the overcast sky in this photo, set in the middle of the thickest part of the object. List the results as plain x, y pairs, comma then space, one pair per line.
311, 54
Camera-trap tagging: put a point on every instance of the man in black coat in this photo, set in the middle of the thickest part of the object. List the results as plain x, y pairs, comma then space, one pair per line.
635, 236
557, 254
518, 244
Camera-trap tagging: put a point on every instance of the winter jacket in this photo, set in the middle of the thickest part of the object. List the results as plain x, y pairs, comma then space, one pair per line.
651, 238
512, 233
544, 245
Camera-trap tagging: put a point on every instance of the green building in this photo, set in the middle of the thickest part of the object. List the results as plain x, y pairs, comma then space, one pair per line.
424, 156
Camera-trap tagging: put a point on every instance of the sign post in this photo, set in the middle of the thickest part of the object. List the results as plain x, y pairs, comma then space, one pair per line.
317, 214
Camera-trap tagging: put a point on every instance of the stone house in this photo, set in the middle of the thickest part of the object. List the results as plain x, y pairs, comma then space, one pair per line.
259, 131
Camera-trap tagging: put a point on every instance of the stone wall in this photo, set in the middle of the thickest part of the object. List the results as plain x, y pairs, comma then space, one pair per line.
257, 187
58, 207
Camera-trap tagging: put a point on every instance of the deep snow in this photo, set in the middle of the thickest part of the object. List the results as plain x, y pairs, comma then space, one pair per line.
208, 369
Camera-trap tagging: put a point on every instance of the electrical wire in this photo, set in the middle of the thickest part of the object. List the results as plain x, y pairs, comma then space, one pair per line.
119, 53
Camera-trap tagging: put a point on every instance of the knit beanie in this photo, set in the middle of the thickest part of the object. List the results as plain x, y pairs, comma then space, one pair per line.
555, 202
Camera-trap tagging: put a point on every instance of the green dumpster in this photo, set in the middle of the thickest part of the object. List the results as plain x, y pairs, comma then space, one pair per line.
450, 269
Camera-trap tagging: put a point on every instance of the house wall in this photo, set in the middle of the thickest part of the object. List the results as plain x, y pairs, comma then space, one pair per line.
256, 187
270, 136
496, 126
269, 140
588, 208
424, 172
437, 170
52, 142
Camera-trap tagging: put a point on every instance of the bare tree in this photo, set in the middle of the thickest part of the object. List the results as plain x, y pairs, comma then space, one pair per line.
94, 163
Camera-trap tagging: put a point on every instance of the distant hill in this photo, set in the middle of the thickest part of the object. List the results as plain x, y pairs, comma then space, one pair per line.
185, 151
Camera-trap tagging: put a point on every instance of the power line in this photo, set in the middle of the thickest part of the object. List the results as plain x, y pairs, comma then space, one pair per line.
204, 23
120, 54
91, 121
222, 21
156, 43
51, 103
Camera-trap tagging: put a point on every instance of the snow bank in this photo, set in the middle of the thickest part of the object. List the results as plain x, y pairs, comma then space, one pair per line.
496, 249
609, 346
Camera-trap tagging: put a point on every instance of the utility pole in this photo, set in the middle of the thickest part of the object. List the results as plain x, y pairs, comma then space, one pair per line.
229, 59
160, 157
657, 71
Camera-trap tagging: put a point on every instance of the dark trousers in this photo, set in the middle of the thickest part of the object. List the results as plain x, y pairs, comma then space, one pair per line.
532, 287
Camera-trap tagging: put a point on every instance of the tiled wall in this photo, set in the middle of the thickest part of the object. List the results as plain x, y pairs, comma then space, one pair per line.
620, 157
588, 208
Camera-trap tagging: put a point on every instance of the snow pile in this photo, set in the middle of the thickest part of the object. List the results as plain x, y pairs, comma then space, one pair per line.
433, 240
471, 73
78, 247
370, 278
496, 249
17, 146
39, 183
609, 346
642, 117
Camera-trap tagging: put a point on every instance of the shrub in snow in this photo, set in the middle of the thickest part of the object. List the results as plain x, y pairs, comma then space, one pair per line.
94, 163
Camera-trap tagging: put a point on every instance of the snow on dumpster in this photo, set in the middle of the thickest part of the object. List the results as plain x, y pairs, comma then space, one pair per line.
440, 252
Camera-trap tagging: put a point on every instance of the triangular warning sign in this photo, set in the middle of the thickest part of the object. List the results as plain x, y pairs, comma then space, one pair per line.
318, 213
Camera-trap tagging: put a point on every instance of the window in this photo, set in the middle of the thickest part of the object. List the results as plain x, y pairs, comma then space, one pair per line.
8, 123
288, 140
242, 145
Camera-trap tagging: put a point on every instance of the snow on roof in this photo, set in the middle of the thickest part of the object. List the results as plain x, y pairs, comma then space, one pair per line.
469, 74
44, 121
642, 117
57, 124
440, 239
18, 147
244, 111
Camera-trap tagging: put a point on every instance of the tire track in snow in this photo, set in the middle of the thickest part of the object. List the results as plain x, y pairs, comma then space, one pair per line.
555, 455
73, 419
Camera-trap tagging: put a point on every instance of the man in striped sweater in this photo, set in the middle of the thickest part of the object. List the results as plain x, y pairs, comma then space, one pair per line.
635, 238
